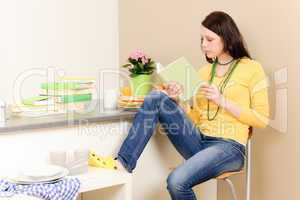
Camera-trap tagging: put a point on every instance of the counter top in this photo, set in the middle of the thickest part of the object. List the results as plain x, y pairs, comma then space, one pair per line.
20, 123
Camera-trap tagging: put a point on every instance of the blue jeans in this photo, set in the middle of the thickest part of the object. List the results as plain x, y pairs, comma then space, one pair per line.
206, 157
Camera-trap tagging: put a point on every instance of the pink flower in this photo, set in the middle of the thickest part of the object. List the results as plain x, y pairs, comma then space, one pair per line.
137, 54
144, 60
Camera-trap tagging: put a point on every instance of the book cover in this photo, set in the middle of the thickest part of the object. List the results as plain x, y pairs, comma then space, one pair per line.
66, 86
78, 79
44, 92
74, 98
38, 101
182, 72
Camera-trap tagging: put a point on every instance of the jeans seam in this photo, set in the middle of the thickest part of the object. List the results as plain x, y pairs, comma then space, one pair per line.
241, 152
186, 120
232, 156
206, 178
125, 165
220, 163
233, 146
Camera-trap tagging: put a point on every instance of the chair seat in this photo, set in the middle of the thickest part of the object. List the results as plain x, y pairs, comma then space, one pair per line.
228, 174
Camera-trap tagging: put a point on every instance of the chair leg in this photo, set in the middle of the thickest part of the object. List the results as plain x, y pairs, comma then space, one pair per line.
248, 175
232, 189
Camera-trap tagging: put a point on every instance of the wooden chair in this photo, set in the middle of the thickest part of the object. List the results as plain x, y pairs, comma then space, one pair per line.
247, 169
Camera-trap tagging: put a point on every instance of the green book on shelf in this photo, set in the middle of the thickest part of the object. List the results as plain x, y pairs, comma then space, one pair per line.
58, 93
74, 98
78, 79
65, 86
182, 72
37, 101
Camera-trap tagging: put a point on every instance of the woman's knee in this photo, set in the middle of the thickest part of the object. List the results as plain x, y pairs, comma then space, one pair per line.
175, 181
154, 97
155, 94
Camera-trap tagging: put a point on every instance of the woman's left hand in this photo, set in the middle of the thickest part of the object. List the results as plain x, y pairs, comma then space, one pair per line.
174, 89
212, 93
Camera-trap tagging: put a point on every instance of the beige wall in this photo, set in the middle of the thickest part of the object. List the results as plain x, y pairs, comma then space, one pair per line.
168, 29
78, 37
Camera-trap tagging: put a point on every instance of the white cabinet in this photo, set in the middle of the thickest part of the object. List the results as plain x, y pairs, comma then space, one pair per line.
148, 179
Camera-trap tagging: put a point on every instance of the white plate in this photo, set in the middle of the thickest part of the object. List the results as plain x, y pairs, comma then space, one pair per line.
33, 182
41, 172
26, 180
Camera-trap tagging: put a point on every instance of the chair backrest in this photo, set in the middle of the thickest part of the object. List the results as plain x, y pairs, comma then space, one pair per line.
250, 132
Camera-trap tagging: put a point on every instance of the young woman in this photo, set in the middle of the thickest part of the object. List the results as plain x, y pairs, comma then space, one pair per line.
213, 136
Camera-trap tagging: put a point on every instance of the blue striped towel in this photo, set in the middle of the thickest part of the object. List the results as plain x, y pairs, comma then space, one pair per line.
65, 189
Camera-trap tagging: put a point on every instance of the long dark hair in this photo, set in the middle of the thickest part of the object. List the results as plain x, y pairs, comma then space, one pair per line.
224, 26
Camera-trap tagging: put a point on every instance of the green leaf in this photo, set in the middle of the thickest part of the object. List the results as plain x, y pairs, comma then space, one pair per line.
126, 65
141, 66
137, 67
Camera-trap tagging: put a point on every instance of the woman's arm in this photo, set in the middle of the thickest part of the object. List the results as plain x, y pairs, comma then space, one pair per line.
230, 106
257, 114
172, 89
212, 93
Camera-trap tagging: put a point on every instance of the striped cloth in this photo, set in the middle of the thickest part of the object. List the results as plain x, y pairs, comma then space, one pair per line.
65, 189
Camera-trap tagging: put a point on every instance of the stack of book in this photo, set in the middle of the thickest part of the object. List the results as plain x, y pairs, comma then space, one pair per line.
35, 106
59, 97
69, 93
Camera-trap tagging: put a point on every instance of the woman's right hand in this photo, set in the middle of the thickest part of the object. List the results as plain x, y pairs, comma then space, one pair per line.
172, 89
161, 88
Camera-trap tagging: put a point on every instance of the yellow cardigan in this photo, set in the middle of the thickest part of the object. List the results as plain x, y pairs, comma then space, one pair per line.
247, 87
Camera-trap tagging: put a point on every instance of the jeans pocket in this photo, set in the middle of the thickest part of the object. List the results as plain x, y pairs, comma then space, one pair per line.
237, 146
240, 149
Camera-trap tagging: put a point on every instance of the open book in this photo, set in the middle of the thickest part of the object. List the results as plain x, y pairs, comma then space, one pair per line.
182, 72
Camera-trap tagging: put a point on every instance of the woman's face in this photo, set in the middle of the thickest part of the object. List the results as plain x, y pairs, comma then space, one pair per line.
211, 44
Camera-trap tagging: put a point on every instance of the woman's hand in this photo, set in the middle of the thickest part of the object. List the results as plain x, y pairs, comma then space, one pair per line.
172, 89
160, 87
212, 93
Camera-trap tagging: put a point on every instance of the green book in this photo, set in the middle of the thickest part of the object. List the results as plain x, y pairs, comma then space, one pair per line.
37, 101
59, 93
74, 98
78, 79
65, 86
182, 72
